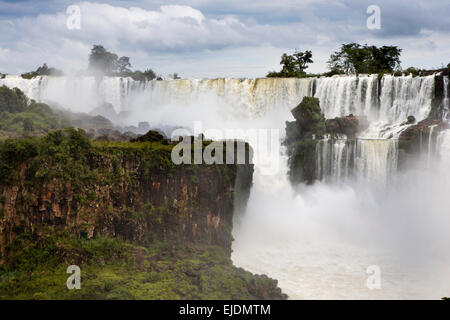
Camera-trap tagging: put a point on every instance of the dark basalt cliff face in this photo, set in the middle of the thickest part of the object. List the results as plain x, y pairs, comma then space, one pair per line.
183, 204
64, 189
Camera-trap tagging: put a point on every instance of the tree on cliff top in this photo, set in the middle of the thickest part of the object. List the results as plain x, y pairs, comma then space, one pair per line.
43, 70
293, 65
103, 62
123, 64
354, 58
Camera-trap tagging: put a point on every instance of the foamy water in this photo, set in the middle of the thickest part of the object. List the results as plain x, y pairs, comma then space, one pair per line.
319, 241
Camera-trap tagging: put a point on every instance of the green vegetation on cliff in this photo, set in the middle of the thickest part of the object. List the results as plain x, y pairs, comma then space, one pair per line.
44, 70
309, 118
301, 138
21, 117
138, 226
115, 269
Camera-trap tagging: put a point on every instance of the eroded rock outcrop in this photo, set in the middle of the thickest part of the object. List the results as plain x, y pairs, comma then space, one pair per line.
308, 129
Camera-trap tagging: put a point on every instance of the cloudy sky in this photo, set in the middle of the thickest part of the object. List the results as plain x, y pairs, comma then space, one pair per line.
216, 38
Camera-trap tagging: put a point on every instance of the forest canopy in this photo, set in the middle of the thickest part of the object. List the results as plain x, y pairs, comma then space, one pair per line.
354, 58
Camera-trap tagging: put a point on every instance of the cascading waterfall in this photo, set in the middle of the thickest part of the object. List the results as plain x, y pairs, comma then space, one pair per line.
343, 95
359, 95
430, 149
339, 95
405, 96
443, 147
376, 159
372, 160
252, 96
81, 94
335, 159
319, 242
386, 112
386, 103
446, 102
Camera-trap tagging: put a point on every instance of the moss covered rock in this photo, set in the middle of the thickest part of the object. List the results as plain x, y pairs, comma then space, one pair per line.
348, 126
309, 117
303, 135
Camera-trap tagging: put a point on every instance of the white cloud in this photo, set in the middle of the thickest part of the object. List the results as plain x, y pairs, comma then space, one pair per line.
188, 40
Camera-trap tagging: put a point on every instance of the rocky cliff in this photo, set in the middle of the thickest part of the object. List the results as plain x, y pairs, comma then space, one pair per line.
64, 186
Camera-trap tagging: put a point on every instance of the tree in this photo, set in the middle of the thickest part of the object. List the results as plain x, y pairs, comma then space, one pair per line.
28, 125
384, 59
12, 100
44, 70
149, 74
123, 64
354, 59
293, 65
102, 61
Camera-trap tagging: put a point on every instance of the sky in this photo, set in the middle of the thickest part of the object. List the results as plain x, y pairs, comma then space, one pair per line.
216, 38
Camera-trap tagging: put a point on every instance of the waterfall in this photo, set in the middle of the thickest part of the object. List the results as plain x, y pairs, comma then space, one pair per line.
31, 87
319, 240
81, 94
342, 95
386, 102
430, 143
246, 97
400, 97
334, 159
443, 147
405, 96
376, 159
446, 103
339, 95
372, 160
